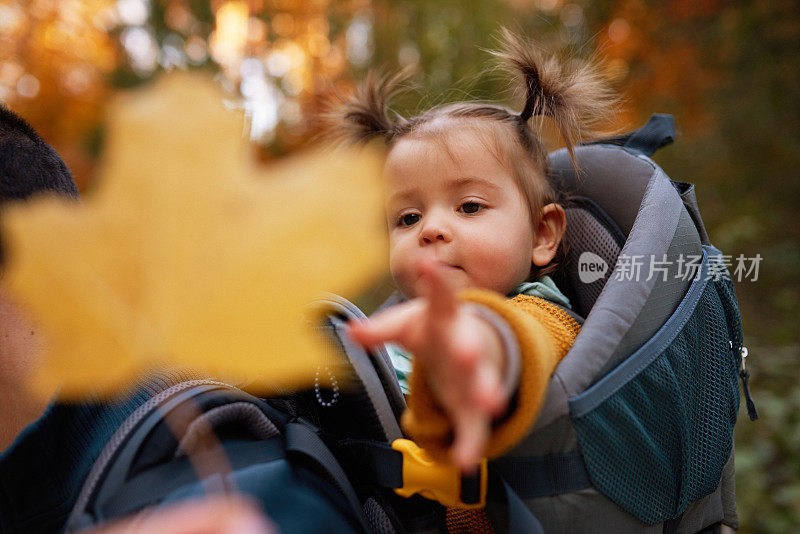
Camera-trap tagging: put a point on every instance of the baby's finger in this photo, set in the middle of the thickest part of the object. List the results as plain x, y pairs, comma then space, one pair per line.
441, 298
489, 394
471, 435
369, 333
390, 325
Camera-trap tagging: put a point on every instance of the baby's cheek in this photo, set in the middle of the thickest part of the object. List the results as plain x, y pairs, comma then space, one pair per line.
512, 267
402, 275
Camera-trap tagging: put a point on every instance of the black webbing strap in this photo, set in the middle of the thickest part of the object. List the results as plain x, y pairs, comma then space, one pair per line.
302, 441
541, 476
470, 488
373, 463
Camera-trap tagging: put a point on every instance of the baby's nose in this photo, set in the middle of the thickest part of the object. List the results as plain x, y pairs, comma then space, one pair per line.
434, 229
430, 238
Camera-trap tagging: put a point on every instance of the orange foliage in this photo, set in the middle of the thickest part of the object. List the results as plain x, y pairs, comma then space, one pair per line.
655, 62
57, 58
54, 61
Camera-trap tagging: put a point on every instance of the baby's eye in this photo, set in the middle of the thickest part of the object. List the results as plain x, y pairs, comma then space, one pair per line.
408, 219
471, 207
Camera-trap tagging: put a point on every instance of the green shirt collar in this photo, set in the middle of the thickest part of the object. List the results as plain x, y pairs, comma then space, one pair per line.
544, 287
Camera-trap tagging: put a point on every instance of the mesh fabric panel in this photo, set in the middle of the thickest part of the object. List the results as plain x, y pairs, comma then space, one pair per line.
585, 233
377, 519
661, 440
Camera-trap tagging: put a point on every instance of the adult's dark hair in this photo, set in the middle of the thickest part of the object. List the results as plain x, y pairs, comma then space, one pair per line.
28, 164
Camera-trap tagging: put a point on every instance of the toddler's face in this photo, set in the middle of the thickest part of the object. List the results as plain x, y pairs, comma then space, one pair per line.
460, 207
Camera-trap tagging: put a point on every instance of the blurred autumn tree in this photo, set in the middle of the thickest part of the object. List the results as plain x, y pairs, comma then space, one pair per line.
61, 60
728, 71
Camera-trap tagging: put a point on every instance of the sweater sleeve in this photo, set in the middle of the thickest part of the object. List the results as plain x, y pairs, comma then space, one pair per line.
544, 333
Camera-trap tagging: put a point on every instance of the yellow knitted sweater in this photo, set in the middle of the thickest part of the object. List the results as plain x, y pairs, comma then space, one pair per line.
544, 331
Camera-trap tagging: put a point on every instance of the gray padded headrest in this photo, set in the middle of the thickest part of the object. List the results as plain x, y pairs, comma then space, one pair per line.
613, 177
604, 199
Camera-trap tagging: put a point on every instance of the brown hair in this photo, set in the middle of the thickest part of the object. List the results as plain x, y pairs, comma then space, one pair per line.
571, 93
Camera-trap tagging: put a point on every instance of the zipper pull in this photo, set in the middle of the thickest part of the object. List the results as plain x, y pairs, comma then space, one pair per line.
744, 375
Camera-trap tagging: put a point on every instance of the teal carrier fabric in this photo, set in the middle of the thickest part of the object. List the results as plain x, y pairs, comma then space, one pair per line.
656, 432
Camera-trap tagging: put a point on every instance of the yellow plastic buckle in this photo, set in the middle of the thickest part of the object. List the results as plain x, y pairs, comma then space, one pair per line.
435, 480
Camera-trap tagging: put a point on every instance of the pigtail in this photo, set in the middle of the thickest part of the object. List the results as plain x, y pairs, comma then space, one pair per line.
365, 114
574, 95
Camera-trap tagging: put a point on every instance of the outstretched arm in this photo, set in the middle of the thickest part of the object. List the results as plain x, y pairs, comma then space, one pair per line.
462, 355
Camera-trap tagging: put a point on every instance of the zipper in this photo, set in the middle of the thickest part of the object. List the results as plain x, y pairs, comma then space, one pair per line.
744, 376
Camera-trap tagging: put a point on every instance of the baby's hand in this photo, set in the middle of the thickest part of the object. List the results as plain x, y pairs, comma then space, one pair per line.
461, 352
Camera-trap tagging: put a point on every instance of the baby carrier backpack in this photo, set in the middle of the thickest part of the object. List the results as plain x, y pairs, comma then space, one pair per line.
635, 434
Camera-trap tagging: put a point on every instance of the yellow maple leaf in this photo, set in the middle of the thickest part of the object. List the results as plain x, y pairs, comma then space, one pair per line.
188, 254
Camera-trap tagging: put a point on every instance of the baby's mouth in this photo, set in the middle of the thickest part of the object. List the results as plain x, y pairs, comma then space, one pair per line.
450, 266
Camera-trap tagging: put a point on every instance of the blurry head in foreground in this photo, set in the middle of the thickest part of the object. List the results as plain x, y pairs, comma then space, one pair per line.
28, 165
467, 182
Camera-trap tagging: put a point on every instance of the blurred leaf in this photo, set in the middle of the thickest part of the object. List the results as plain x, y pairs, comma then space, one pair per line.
188, 254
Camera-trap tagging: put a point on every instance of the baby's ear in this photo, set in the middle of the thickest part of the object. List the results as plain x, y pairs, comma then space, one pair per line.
548, 234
